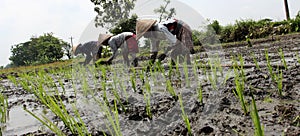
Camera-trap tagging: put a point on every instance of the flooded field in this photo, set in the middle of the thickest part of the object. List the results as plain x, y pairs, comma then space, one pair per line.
209, 97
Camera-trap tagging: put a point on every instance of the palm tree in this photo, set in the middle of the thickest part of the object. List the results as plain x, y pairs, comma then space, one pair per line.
287, 13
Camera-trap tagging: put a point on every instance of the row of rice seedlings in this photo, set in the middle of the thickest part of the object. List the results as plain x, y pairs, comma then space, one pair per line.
56, 105
112, 116
37, 85
255, 118
239, 87
281, 54
184, 116
255, 61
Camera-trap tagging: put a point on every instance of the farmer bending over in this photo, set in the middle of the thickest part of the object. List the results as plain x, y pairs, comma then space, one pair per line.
126, 41
90, 50
177, 33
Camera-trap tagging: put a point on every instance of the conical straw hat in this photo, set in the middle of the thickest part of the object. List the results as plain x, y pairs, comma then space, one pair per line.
74, 48
142, 26
102, 38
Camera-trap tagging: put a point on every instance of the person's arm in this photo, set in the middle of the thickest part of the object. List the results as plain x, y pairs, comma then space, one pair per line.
171, 38
88, 58
113, 45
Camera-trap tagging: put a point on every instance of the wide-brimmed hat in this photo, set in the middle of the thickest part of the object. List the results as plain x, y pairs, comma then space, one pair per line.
102, 38
142, 26
74, 49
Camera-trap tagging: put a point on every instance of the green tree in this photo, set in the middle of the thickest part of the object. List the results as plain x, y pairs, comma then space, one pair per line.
164, 13
125, 25
109, 12
39, 50
216, 26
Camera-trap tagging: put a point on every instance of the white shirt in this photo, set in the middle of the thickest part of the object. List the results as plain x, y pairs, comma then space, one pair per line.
170, 37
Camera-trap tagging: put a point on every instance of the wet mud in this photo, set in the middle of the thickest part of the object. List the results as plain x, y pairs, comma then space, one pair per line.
219, 114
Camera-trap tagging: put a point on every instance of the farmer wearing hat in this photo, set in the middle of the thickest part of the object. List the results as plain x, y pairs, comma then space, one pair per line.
177, 33
126, 41
90, 50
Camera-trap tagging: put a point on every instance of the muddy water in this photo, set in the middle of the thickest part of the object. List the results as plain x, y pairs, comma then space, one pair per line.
221, 113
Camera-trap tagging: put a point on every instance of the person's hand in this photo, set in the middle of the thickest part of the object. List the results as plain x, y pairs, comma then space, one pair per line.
168, 49
192, 50
161, 57
105, 62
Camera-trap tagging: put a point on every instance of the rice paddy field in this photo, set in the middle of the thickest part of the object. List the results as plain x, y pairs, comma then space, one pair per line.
246, 89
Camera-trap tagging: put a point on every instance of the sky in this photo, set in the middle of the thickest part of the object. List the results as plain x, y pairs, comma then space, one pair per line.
21, 20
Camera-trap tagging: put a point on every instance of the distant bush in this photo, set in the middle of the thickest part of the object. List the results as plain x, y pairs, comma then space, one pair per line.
246, 29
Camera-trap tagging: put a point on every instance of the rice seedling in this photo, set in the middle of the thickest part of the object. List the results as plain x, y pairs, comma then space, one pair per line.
112, 117
239, 87
115, 88
279, 78
297, 120
62, 86
203, 68
241, 68
123, 89
255, 118
282, 58
133, 79
170, 89
177, 68
255, 61
269, 65
13, 79
47, 122
226, 77
170, 73
238, 133
213, 76
195, 67
184, 115
200, 93
147, 98
24, 82
3, 108
186, 73
298, 58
